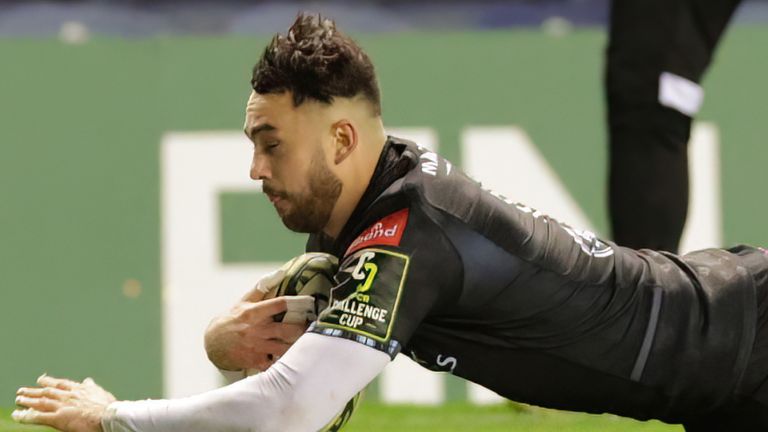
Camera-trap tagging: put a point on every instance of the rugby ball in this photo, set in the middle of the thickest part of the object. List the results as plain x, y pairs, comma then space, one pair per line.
311, 274
306, 286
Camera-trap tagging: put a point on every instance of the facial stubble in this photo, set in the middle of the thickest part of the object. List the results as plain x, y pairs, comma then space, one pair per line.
312, 210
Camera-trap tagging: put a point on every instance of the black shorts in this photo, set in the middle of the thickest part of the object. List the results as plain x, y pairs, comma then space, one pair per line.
748, 409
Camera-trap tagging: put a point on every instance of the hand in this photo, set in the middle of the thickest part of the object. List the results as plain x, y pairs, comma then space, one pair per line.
265, 287
66, 405
246, 336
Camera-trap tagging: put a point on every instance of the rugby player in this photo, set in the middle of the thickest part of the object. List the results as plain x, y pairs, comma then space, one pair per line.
459, 278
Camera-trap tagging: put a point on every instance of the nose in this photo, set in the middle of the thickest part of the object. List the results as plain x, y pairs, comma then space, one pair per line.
260, 169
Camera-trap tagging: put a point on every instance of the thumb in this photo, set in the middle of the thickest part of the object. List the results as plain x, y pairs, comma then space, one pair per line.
265, 285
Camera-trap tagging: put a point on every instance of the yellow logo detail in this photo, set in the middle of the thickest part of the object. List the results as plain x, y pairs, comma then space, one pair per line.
371, 269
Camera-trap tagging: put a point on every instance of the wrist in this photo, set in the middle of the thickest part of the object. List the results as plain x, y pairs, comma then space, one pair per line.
110, 421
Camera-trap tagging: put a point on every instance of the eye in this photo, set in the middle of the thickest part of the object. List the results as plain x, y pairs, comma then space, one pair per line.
272, 145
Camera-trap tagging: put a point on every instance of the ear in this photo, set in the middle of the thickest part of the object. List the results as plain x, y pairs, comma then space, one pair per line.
345, 140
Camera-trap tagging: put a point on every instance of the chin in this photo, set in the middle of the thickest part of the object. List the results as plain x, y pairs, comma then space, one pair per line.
299, 226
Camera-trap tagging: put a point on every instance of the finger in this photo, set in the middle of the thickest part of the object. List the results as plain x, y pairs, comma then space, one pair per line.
262, 364
24, 415
38, 404
60, 383
258, 363
279, 351
263, 338
271, 346
30, 416
290, 332
48, 392
253, 295
273, 330
264, 285
265, 309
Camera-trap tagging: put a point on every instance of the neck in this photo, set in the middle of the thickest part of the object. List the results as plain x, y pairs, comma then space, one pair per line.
355, 181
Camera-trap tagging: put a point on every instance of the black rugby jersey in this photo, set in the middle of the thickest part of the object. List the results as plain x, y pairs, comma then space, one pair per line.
466, 281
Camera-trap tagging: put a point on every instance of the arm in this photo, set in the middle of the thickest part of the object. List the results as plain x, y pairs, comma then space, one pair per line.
301, 392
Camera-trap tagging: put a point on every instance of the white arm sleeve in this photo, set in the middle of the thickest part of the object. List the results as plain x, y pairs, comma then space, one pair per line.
301, 392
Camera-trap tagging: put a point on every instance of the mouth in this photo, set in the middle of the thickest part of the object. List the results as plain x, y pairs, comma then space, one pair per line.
273, 195
275, 199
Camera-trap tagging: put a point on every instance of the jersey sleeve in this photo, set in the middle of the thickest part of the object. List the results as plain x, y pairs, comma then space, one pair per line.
386, 287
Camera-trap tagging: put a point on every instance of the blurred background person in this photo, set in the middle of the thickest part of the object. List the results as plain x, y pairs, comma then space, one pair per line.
657, 54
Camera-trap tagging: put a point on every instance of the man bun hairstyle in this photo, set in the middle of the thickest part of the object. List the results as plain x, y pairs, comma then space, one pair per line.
316, 61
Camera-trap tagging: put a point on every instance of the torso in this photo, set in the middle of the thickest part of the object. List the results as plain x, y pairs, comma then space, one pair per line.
543, 313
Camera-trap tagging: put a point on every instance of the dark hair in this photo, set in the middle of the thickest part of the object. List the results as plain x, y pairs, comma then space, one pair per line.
316, 61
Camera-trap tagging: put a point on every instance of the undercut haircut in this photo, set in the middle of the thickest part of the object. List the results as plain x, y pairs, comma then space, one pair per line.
316, 61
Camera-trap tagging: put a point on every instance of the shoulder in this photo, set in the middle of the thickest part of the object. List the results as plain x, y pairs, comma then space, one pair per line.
435, 183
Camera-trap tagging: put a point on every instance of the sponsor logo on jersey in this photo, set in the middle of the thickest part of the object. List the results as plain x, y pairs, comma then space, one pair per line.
366, 300
386, 232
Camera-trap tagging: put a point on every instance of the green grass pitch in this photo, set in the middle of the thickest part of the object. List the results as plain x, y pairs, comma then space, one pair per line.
372, 417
